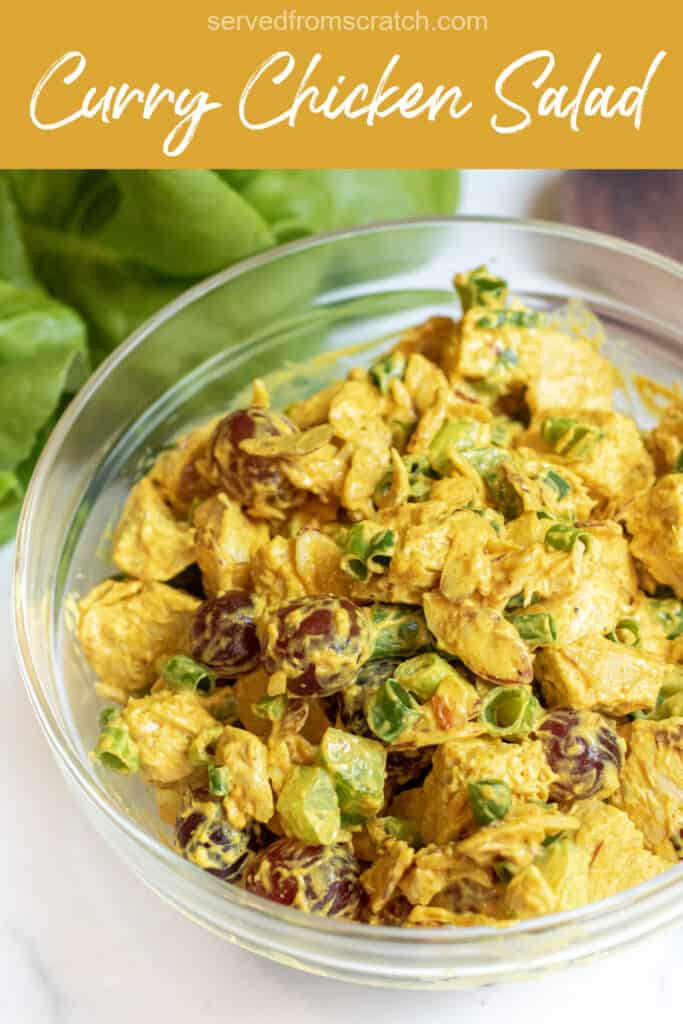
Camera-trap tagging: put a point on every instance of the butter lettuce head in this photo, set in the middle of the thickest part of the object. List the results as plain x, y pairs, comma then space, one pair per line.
86, 256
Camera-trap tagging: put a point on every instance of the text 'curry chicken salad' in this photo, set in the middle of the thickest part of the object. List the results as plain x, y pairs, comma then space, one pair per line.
409, 652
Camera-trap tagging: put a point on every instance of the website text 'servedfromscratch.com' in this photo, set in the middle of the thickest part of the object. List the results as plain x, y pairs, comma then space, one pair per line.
396, 21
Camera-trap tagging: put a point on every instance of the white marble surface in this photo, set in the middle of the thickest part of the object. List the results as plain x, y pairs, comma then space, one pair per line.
81, 940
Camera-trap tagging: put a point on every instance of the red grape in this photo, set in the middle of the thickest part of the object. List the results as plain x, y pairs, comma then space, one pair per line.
251, 479
583, 750
207, 839
224, 634
319, 643
317, 879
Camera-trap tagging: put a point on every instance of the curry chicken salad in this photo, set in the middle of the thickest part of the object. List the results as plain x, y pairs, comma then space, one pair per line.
410, 651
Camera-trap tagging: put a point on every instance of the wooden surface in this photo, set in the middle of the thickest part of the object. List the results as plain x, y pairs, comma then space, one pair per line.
642, 206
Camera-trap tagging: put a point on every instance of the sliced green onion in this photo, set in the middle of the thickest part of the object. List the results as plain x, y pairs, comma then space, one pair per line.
271, 708
516, 601
225, 710
554, 428
670, 700
390, 710
536, 627
489, 464
198, 752
549, 840
402, 828
498, 318
399, 630
401, 431
184, 673
423, 674
106, 715
420, 477
504, 870
678, 464
570, 437
520, 601
558, 484
563, 537
368, 549
116, 749
490, 800
386, 370
503, 494
509, 712
669, 613
455, 436
480, 288
219, 780
629, 627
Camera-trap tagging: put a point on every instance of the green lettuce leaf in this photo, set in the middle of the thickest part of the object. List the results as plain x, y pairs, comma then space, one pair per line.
133, 240
86, 256
43, 353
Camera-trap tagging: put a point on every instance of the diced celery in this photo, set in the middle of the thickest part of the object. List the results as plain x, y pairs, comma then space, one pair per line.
455, 436
358, 768
536, 628
308, 806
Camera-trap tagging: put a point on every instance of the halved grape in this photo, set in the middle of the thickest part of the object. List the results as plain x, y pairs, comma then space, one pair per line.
318, 643
318, 879
251, 479
470, 894
224, 634
206, 838
583, 750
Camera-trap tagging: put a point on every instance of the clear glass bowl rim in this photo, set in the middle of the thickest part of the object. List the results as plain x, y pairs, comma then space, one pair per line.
350, 934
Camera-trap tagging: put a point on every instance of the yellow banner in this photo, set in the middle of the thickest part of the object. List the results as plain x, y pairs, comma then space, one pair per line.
262, 84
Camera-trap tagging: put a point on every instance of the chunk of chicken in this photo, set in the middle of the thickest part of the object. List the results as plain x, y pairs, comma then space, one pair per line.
617, 855
149, 542
481, 637
164, 724
226, 543
522, 766
614, 465
380, 881
570, 374
655, 522
246, 757
597, 673
125, 626
651, 790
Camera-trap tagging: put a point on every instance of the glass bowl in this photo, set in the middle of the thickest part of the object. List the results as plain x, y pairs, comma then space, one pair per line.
300, 304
